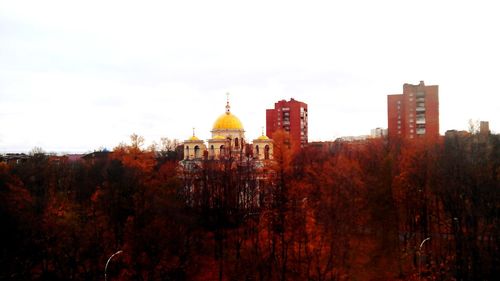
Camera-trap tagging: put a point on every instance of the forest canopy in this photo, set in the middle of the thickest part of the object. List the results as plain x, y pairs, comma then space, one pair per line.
354, 211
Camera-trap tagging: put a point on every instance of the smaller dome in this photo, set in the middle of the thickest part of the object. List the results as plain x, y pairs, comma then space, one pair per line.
263, 137
194, 138
218, 137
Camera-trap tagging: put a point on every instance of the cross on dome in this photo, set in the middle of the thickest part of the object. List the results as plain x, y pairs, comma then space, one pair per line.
228, 107
227, 121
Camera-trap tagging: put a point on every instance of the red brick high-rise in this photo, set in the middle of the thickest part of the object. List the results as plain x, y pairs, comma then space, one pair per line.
290, 116
415, 113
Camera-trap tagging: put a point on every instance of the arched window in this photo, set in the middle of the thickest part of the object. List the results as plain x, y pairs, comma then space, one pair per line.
257, 152
266, 152
248, 150
212, 151
236, 143
221, 150
187, 152
197, 152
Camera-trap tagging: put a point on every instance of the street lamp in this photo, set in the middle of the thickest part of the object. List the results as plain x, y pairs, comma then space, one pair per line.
106, 267
419, 252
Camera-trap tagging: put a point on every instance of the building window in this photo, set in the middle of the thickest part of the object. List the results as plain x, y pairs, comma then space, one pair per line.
196, 152
266, 152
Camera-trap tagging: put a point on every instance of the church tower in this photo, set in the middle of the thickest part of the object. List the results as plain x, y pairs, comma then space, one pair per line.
228, 135
193, 148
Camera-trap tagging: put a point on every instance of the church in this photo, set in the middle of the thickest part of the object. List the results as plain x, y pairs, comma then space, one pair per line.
225, 176
228, 141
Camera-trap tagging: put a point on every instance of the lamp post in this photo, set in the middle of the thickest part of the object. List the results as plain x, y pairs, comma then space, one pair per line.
419, 252
106, 267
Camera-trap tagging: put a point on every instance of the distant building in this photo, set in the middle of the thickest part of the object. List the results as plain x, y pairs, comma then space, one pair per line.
74, 157
96, 156
456, 133
484, 128
415, 113
14, 158
378, 133
323, 146
353, 138
289, 116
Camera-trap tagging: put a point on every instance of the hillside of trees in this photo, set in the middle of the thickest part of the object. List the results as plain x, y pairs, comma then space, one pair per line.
357, 211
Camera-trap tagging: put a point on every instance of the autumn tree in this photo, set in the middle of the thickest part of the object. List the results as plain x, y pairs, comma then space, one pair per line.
469, 192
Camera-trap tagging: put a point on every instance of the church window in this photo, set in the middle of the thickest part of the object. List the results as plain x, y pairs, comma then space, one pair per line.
266, 152
196, 152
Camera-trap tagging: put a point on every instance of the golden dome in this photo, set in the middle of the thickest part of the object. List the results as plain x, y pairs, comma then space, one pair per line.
194, 138
228, 121
218, 137
263, 137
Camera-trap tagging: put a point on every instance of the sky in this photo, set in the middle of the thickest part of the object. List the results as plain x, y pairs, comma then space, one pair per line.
76, 76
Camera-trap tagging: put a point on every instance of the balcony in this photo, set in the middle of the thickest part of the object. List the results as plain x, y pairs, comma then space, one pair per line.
420, 121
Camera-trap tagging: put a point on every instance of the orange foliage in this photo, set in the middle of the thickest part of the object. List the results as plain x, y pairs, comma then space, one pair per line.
134, 156
358, 211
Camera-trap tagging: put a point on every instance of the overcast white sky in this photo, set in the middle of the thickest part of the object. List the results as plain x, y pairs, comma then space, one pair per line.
79, 75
